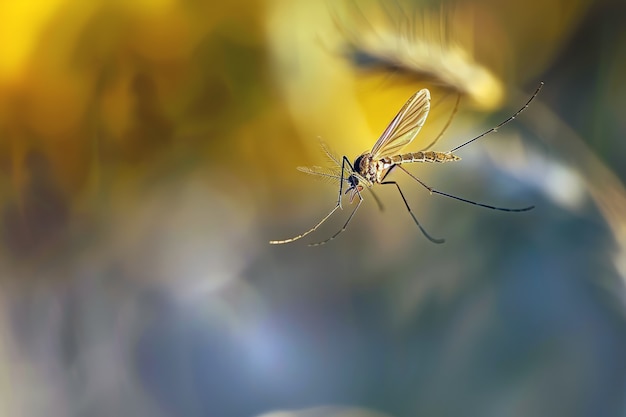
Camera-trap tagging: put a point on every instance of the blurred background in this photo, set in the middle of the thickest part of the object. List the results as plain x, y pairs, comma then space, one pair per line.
147, 156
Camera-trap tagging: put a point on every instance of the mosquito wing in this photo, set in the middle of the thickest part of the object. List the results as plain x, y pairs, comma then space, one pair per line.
404, 127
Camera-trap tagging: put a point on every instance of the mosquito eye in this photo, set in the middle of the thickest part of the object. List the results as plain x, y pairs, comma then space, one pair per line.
357, 163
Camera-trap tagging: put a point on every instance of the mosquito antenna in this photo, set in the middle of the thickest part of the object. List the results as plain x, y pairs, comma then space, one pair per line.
456, 108
494, 129
328, 152
432, 190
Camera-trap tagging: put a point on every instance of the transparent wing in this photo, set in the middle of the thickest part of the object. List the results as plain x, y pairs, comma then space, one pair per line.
404, 127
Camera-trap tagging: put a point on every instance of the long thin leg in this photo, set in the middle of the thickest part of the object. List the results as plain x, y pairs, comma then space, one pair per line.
494, 129
429, 237
378, 202
314, 228
344, 226
432, 190
338, 206
344, 160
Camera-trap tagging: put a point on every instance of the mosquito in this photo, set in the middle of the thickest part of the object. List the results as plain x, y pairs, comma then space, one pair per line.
373, 167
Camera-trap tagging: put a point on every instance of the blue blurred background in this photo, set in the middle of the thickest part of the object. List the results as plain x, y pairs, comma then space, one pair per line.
148, 154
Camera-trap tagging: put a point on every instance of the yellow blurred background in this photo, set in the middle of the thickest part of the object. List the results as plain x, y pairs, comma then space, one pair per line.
147, 156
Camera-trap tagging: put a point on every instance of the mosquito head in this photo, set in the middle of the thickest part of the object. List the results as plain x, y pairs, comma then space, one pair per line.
354, 188
353, 181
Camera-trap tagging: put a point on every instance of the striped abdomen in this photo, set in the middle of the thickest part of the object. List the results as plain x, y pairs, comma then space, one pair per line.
429, 156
